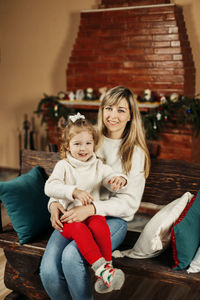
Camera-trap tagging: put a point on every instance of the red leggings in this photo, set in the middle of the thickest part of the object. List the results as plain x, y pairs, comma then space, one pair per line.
92, 237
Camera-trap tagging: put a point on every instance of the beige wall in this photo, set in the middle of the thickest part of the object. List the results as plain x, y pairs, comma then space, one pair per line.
37, 37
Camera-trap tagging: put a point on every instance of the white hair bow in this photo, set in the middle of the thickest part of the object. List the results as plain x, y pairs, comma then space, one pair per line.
76, 117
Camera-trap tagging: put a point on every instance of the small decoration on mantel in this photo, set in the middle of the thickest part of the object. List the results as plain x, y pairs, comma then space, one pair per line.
174, 97
102, 92
147, 96
80, 94
61, 95
51, 108
71, 96
90, 94
163, 99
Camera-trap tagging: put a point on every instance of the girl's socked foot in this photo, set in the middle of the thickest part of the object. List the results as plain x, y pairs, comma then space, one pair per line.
101, 287
112, 277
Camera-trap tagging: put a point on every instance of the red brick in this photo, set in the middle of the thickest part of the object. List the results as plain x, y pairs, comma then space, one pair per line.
175, 43
152, 18
178, 57
172, 30
131, 51
161, 9
170, 17
167, 50
155, 31
139, 37
166, 37
140, 44
157, 57
169, 64
161, 44
164, 24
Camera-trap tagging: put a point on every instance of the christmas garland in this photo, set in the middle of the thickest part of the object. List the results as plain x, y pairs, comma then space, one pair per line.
178, 111
50, 108
182, 111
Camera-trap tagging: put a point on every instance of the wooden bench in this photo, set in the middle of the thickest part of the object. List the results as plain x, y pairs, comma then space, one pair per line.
168, 180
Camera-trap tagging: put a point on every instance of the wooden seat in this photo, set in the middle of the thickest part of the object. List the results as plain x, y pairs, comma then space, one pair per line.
168, 180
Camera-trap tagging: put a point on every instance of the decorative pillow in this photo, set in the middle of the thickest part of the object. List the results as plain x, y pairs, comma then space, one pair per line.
156, 235
26, 204
195, 263
186, 234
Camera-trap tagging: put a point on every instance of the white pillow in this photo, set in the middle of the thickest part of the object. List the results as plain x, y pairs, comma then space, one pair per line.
156, 234
195, 263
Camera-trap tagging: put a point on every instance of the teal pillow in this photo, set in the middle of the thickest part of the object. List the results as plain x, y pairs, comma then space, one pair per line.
26, 204
185, 234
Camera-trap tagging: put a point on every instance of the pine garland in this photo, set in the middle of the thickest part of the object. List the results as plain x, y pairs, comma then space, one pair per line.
50, 108
183, 111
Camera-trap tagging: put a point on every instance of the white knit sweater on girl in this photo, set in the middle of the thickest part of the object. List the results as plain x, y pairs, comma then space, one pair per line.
122, 204
72, 173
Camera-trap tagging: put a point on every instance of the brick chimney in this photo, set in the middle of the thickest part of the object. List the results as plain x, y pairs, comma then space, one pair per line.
139, 44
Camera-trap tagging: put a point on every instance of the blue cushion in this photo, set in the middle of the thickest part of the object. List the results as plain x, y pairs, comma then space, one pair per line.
186, 234
26, 204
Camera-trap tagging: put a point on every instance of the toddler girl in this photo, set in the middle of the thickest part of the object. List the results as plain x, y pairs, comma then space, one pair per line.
76, 181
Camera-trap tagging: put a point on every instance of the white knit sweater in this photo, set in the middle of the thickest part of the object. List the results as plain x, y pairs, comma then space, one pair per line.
68, 175
125, 203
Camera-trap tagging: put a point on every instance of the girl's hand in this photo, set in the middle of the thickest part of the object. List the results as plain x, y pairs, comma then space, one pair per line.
83, 196
56, 209
117, 183
78, 214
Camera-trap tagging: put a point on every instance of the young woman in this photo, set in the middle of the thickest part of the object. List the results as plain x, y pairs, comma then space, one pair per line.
64, 272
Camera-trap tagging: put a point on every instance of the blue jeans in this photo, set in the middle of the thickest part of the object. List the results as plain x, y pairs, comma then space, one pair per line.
65, 274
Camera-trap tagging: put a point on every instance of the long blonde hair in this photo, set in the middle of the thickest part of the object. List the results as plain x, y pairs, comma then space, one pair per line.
133, 134
73, 128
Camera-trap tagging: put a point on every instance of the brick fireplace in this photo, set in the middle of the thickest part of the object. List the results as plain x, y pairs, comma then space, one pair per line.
139, 44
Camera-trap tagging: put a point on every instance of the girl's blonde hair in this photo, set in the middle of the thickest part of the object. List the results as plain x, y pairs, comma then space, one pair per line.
73, 128
133, 134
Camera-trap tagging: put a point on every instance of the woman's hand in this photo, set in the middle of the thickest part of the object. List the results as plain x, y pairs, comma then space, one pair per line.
56, 209
83, 196
78, 214
117, 183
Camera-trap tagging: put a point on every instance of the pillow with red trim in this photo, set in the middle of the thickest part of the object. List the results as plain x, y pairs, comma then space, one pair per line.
156, 235
185, 234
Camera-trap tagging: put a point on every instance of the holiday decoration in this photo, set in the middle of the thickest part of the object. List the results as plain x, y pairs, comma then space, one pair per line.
174, 97
90, 94
102, 92
80, 94
61, 95
50, 108
175, 110
182, 111
147, 97
71, 96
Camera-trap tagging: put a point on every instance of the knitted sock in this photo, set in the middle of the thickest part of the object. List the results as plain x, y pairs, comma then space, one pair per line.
101, 287
112, 277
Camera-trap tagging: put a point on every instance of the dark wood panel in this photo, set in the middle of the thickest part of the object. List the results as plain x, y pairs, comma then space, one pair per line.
169, 179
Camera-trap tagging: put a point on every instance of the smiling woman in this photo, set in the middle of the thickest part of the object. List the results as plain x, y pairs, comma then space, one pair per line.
115, 118
119, 118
